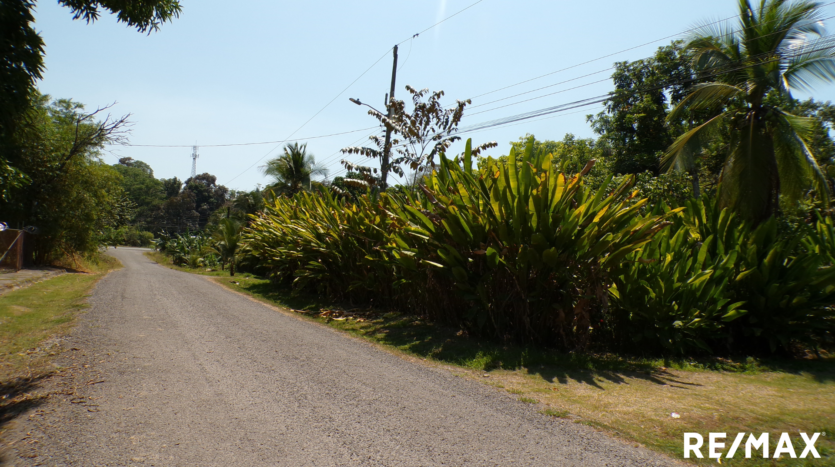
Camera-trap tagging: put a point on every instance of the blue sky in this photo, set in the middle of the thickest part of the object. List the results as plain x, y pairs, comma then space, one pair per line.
228, 72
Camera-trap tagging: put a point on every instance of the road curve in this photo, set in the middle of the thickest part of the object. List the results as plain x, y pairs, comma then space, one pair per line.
193, 374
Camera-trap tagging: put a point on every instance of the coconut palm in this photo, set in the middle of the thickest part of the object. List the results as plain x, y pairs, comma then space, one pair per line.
292, 171
776, 47
228, 238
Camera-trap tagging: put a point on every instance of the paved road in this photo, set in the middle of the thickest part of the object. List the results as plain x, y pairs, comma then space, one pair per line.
197, 375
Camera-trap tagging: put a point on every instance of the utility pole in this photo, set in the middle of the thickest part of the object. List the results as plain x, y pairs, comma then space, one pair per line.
384, 164
194, 157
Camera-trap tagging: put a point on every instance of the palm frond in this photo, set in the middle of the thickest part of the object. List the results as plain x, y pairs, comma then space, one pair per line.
705, 96
816, 65
680, 155
798, 167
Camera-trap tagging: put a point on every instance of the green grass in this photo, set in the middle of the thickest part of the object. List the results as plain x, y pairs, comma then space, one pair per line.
528, 400
556, 413
629, 397
29, 317
33, 314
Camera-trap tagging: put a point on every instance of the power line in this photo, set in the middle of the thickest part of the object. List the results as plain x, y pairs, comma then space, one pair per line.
576, 104
441, 21
244, 144
352, 83
626, 50
311, 118
826, 41
546, 87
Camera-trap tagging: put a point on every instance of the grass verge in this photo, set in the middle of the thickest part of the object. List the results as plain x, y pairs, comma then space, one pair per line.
633, 398
30, 320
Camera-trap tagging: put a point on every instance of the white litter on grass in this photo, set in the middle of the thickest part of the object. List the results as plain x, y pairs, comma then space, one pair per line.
675, 415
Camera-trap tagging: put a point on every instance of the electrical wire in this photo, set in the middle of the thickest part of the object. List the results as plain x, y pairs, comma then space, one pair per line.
696, 28
311, 118
827, 41
243, 144
411, 43
491, 123
441, 21
352, 83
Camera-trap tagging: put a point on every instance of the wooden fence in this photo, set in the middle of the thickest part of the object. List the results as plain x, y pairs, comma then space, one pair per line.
14, 253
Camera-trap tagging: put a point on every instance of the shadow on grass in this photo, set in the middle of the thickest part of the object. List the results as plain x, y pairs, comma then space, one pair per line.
417, 337
16, 397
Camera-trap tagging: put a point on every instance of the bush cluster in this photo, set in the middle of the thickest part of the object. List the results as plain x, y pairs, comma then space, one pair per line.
517, 251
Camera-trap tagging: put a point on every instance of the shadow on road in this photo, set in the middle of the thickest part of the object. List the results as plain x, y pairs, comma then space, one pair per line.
17, 396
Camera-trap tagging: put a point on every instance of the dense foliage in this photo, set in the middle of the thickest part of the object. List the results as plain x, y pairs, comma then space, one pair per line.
64, 189
746, 73
521, 252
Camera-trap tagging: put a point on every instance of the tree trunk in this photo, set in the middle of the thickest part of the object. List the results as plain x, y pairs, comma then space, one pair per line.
694, 179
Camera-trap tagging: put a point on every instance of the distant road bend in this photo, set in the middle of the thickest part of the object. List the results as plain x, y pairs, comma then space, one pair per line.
195, 375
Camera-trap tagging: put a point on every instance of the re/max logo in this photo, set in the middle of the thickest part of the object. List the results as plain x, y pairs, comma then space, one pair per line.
693, 443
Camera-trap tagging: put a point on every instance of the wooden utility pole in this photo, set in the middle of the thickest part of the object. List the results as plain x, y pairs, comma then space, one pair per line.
384, 164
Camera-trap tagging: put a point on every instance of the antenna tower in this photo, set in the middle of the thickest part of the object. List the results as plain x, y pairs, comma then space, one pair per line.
194, 157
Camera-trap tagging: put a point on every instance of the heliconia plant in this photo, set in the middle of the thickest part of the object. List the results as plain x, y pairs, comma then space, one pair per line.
513, 249
674, 295
327, 244
530, 250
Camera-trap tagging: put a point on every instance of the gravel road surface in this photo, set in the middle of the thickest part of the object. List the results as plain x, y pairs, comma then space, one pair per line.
185, 373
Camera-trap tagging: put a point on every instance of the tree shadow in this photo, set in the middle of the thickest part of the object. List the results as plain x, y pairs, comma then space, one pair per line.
16, 397
435, 341
822, 370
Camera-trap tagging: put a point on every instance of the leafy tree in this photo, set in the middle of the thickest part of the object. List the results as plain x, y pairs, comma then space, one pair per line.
177, 214
247, 203
70, 195
208, 195
22, 48
21, 61
634, 126
171, 186
140, 186
571, 154
773, 51
292, 171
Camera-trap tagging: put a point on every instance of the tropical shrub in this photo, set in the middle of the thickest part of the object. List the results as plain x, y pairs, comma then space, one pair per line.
789, 290
522, 254
674, 295
325, 243
530, 250
710, 282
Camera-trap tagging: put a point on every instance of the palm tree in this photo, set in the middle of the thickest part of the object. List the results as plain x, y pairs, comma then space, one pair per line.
293, 170
228, 238
777, 47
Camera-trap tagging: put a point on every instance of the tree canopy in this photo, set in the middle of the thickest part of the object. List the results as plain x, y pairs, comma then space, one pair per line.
748, 72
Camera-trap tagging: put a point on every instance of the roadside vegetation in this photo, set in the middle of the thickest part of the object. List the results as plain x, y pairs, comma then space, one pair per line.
681, 262
32, 322
632, 397
674, 274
